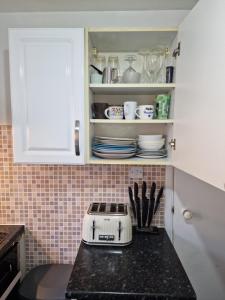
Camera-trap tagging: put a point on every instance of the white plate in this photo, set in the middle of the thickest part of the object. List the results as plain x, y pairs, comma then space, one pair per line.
114, 151
113, 138
115, 143
151, 156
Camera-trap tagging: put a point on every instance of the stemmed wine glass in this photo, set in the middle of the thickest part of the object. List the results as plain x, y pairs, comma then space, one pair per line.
157, 60
145, 75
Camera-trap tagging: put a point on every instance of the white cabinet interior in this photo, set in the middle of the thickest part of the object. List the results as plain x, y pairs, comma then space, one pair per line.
47, 94
121, 42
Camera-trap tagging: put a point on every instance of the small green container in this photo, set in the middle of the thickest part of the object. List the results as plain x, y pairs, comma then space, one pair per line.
162, 107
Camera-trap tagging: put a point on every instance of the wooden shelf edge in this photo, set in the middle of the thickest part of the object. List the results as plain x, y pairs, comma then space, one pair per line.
131, 85
132, 29
130, 161
106, 121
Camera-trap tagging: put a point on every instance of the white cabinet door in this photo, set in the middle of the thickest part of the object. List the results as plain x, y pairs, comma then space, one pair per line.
199, 97
47, 95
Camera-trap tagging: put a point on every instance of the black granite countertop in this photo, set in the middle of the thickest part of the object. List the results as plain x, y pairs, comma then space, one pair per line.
9, 234
147, 269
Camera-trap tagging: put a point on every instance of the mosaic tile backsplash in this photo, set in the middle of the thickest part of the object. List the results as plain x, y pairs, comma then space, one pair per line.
52, 199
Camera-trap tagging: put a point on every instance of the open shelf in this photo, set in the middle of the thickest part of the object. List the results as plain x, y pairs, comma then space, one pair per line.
130, 39
130, 161
134, 89
106, 121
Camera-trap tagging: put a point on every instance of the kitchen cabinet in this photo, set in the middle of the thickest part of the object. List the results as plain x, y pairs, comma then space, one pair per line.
199, 117
52, 94
200, 106
200, 241
47, 95
122, 42
197, 114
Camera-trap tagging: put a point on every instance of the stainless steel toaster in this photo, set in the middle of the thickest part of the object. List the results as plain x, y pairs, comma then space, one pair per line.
107, 224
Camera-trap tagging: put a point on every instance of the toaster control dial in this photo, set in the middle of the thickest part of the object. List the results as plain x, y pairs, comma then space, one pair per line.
106, 237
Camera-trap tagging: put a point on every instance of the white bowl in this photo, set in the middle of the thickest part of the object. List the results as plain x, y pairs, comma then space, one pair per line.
161, 141
151, 148
151, 137
151, 145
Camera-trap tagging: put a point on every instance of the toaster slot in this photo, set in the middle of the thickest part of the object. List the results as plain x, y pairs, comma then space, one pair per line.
94, 207
113, 208
107, 209
102, 207
121, 208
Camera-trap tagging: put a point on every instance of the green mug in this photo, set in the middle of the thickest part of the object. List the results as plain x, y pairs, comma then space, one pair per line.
162, 107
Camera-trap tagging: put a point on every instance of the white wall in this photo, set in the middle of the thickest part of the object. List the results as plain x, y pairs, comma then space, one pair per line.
73, 19
200, 242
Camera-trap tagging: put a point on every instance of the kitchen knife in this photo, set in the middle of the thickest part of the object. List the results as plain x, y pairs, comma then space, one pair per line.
157, 203
132, 202
151, 203
138, 206
144, 204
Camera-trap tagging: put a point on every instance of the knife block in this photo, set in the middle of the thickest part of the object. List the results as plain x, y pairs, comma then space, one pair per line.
150, 230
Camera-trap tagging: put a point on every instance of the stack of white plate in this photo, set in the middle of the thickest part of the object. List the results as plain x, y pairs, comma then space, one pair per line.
114, 148
151, 146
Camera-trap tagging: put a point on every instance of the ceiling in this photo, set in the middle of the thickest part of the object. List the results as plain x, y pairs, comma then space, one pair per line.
93, 5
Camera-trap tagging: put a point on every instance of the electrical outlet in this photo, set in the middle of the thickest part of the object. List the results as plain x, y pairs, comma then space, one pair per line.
136, 172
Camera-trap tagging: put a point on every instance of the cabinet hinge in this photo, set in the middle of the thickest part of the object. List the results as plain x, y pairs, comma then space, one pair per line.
172, 144
176, 52
172, 210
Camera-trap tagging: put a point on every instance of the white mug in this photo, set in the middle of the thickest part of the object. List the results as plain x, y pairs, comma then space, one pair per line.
130, 110
145, 112
114, 112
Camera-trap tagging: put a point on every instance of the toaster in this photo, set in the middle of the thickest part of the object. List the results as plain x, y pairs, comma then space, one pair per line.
107, 224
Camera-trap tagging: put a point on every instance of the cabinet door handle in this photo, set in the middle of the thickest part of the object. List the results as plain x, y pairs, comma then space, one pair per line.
77, 138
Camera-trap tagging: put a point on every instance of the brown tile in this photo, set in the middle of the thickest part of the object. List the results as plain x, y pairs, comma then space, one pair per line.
52, 199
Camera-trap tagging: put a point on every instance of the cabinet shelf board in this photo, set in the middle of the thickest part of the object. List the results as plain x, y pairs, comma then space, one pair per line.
132, 29
134, 89
130, 161
106, 121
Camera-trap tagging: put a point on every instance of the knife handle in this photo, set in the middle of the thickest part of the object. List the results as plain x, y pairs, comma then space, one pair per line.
138, 212
160, 193
151, 211
132, 202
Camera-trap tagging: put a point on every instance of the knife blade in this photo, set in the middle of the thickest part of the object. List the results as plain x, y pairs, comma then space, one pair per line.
157, 203
144, 204
132, 202
151, 203
138, 206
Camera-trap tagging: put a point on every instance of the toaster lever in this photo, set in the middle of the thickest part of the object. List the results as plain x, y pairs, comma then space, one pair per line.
119, 230
93, 230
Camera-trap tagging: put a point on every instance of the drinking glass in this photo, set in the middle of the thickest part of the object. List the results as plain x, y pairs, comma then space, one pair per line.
145, 74
100, 62
157, 68
113, 63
